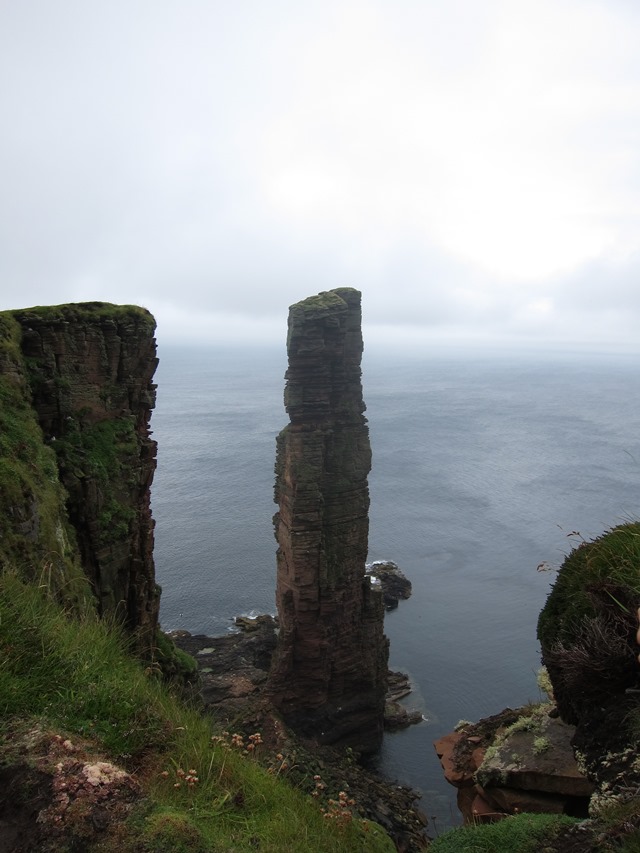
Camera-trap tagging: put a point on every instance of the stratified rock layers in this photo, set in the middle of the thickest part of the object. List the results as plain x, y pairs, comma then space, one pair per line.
329, 673
90, 368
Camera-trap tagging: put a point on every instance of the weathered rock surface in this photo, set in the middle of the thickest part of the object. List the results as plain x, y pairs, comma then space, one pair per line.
514, 762
329, 673
396, 716
395, 584
540, 759
90, 368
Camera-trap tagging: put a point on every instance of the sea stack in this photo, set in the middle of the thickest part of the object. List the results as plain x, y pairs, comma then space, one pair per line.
329, 672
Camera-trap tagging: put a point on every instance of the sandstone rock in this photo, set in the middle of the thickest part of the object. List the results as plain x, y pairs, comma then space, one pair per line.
483, 811
395, 585
445, 748
249, 624
90, 370
514, 761
514, 801
398, 685
538, 760
396, 716
329, 672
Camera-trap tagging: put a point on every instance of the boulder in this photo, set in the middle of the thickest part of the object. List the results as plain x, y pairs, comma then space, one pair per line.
540, 759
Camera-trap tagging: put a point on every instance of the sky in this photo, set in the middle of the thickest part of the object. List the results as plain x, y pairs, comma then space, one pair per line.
472, 166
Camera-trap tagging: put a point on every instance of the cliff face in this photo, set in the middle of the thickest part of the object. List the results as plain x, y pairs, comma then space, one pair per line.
88, 370
329, 672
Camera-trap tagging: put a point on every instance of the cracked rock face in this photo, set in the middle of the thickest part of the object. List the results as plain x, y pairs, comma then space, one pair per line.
90, 371
329, 672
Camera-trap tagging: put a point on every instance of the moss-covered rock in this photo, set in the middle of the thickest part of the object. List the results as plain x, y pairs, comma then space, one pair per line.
36, 539
76, 457
587, 628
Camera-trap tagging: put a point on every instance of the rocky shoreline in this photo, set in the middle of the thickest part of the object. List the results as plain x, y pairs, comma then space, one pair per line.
233, 671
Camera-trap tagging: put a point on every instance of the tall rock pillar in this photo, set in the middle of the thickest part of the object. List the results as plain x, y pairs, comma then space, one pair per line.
329, 671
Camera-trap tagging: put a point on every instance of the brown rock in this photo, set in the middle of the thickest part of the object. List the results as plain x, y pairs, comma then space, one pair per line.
329, 672
477, 757
395, 585
90, 368
513, 801
540, 760
453, 772
483, 811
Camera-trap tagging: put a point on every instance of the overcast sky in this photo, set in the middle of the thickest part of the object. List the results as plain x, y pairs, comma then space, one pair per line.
473, 166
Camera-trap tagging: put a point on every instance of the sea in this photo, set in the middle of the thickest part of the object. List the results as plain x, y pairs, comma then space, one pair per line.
488, 468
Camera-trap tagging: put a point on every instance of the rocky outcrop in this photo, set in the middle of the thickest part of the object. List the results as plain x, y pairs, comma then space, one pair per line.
89, 369
395, 584
515, 761
329, 670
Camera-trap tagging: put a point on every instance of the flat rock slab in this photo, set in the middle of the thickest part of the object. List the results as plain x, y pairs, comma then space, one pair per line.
233, 667
538, 760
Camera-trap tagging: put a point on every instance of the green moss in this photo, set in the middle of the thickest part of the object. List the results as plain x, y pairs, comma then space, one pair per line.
108, 453
85, 312
540, 745
174, 663
35, 536
607, 568
327, 300
168, 831
526, 833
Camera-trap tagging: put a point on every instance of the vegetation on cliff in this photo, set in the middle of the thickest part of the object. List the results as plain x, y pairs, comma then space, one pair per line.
72, 698
588, 626
83, 376
97, 752
36, 539
588, 633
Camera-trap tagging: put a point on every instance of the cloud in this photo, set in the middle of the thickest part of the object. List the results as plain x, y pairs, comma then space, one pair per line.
472, 168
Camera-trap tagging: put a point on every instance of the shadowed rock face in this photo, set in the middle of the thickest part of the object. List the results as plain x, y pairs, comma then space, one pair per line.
90, 369
329, 672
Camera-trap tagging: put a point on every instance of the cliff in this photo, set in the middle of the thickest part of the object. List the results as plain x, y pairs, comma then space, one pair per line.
77, 457
96, 753
578, 753
328, 676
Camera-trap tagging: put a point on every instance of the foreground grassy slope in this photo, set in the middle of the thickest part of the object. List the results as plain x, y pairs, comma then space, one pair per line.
74, 680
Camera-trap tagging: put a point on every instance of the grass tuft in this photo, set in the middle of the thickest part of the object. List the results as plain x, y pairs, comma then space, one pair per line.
525, 833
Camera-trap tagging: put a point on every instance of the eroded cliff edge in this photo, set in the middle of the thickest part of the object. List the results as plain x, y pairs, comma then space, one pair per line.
82, 374
328, 677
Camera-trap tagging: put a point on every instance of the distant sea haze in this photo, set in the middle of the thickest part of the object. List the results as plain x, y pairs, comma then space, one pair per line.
485, 469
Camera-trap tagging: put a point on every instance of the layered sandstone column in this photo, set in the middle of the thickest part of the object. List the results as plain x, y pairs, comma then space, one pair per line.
329, 672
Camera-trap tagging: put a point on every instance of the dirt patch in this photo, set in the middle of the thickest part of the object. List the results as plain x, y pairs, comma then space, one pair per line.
57, 793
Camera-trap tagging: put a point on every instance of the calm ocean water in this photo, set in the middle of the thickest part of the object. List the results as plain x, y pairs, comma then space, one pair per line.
483, 465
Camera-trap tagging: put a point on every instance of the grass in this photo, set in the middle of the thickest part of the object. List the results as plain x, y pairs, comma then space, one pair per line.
75, 676
86, 311
108, 453
35, 536
608, 568
526, 833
